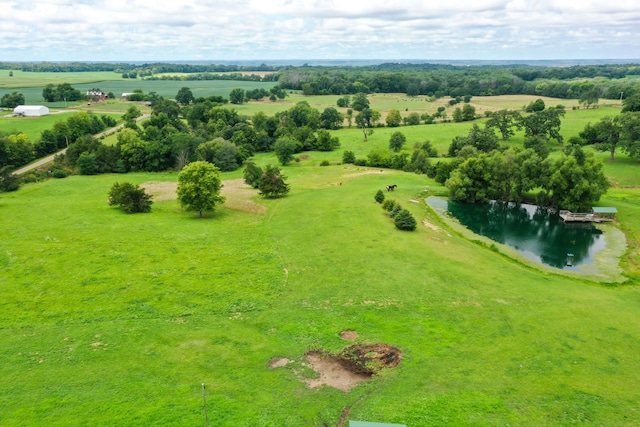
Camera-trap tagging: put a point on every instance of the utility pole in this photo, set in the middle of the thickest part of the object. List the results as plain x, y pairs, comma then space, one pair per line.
204, 399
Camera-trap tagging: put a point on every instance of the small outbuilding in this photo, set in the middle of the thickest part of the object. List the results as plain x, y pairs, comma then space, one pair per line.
607, 212
30, 110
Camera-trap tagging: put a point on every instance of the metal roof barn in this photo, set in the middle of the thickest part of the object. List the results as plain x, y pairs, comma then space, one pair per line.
31, 110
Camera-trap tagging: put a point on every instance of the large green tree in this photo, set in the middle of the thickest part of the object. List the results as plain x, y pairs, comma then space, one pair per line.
359, 101
236, 96
285, 147
331, 119
12, 100
577, 181
630, 133
604, 135
397, 141
631, 103
505, 121
393, 119
185, 96
544, 123
199, 187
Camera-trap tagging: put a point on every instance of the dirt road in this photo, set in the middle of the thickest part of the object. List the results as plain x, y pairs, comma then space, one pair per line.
49, 159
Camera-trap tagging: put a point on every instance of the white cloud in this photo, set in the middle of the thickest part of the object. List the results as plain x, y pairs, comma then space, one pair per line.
258, 29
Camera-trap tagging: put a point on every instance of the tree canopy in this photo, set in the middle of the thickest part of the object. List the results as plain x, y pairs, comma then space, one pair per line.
199, 187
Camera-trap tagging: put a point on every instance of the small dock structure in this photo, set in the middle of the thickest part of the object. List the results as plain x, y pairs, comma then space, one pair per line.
597, 214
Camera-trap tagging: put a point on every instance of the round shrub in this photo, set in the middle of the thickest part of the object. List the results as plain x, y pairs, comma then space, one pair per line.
59, 173
325, 163
379, 196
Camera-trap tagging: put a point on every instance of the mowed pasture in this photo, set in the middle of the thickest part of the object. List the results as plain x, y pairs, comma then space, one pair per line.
118, 319
33, 126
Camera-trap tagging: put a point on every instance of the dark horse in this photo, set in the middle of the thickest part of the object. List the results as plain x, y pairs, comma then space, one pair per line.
391, 187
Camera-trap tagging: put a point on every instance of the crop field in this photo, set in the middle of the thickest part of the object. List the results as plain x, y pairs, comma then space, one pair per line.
24, 79
110, 319
165, 88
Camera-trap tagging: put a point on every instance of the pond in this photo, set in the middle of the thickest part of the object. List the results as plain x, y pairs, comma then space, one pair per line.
539, 235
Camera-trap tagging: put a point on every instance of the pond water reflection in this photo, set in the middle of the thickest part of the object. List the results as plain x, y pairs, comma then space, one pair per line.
534, 232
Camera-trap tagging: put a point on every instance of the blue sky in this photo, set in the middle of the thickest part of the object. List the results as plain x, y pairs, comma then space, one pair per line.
150, 30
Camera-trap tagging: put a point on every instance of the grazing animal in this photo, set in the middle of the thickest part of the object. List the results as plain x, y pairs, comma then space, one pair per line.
391, 187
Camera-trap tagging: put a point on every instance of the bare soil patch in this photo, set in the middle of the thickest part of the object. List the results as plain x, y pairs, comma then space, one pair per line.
358, 172
279, 362
356, 363
348, 335
161, 191
238, 194
332, 373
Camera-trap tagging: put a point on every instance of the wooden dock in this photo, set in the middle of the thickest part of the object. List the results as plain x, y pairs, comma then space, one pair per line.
568, 216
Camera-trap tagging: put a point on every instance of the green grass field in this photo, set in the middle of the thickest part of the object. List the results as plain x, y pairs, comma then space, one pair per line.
165, 88
23, 79
110, 319
33, 126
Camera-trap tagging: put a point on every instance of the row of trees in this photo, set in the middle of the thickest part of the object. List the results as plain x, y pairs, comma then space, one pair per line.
447, 80
613, 133
12, 100
61, 92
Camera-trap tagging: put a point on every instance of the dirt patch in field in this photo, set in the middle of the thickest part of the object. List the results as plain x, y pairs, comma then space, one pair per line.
279, 362
348, 335
356, 363
238, 194
161, 191
358, 172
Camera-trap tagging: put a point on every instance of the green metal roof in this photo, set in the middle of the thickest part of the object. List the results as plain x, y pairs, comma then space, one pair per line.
368, 424
604, 210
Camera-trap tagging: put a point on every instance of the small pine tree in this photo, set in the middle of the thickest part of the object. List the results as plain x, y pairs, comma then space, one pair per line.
388, 205
405, 221
272, 183
395, 211
379, 196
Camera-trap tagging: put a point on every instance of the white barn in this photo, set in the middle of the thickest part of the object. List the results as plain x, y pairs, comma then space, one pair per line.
30, 110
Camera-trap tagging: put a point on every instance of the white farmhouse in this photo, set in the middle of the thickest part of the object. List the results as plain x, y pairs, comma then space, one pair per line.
30, 110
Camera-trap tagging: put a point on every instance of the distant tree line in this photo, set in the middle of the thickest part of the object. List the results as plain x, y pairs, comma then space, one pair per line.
155, 68
448, 80
212, 76
438, 80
